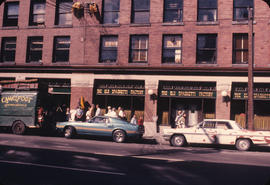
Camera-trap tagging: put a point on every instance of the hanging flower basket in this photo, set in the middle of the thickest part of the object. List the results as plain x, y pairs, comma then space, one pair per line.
78, 10
93, 8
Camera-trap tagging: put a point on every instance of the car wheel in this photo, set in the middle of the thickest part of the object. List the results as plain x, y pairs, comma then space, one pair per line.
69, 132
178, 140
119, 136
243, 144
18, 128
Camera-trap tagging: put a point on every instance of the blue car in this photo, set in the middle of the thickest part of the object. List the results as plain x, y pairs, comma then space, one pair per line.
116, 128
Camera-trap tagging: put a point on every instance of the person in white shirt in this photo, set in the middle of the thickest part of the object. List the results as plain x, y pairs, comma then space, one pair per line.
98, 111
133, 120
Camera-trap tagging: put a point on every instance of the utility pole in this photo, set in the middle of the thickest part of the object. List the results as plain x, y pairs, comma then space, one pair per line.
250, 125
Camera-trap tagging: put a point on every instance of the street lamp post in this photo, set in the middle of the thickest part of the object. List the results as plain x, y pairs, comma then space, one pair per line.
250, 71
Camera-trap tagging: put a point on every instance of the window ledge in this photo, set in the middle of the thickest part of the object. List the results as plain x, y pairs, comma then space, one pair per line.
10, 27
63, 26
173, 24
108, 63
207, 23
245, 22
172, 64
111, 25
7, 63
138, 64
34, 63
240, 65
140, 24
206, 64
37, 27
58, 63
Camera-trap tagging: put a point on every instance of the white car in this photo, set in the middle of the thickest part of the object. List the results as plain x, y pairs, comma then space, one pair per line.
217, 131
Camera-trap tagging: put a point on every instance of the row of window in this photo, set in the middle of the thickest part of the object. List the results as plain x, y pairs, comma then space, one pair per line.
139, 45
34, 49
173, 11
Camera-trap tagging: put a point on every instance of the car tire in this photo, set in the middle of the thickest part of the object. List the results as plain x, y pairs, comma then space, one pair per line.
119, 136
243, 144
69, 132
18, 128
178, 140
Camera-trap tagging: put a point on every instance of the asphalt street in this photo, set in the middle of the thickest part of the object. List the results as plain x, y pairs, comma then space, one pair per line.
39, 160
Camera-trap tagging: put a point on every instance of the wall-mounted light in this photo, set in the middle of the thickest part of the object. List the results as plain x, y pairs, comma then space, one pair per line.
153, 96
225, 96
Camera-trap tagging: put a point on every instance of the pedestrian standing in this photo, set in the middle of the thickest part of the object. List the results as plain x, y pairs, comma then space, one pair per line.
98, 110
133, 120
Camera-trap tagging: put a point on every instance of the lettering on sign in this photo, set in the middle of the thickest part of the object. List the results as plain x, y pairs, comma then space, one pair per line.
125, 92
16, 99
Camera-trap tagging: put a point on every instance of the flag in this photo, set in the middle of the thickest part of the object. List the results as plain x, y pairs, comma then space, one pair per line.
82, 102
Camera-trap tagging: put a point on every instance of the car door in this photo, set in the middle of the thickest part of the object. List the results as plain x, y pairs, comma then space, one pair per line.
205, 133
99, 126
225, 134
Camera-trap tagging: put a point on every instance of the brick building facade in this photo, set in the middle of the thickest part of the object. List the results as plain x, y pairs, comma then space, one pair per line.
186, 54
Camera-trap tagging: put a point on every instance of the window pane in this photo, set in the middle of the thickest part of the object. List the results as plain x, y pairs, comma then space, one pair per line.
109, 56
109, 49
109, 42
65, 19
39, 18
172, 41
139, 46
13, 9
173, 4
61, 49
39, 8
206, 56
243, 3
173, 16
141, 17
110, 17
65, 7
207, 15
8, 49
111, 5
141, 4
62, 56
207, 3
207, 41
241, 13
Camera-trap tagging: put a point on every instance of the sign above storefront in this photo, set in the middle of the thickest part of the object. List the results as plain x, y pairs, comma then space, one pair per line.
188, 89
121, 92
260, 92
257, 95
188, 94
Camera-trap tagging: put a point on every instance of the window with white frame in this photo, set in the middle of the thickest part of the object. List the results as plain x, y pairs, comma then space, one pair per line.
240, 48
139, 49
